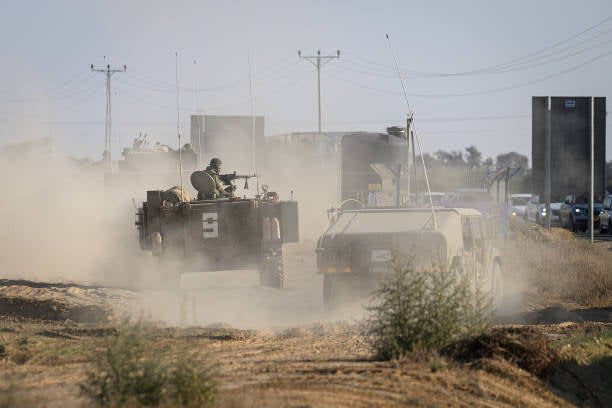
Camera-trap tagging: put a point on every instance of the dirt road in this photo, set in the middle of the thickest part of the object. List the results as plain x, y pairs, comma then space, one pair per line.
287, 352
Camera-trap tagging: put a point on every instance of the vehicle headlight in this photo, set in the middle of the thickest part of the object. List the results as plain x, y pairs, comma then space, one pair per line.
514, 213
577, 210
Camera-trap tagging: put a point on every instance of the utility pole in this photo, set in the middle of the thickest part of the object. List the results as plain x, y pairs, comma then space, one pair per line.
547, 164
592, 195
108, 71
318, 61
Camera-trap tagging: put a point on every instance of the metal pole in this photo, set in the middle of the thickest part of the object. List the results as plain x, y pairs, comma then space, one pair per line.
318, 61
591, 203
398, 187
178, 123
497, 184
547, 163
409, 166
507, 187
253, 144
414, 167
109, 119
319, 89
197, 112
107, 126
106, 149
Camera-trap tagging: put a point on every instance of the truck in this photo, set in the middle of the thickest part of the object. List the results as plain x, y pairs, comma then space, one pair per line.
357, 247
229, 233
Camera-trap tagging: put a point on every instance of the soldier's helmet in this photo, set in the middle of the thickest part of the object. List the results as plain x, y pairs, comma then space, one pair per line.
215, 163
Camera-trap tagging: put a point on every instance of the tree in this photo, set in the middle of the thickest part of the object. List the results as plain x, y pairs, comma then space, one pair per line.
452, 158
473, 157
512, 159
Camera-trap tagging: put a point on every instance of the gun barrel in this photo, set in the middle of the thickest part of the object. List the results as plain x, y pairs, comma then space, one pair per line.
227, 178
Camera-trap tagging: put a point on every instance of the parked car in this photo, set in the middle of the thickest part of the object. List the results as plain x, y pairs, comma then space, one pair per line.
518, 204
574, 213
605, 216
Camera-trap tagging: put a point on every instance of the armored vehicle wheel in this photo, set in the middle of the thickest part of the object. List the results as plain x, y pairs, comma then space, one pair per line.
271, 272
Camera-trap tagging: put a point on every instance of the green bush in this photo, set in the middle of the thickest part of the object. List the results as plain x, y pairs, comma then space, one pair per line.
191, 387
423, 310
133, 375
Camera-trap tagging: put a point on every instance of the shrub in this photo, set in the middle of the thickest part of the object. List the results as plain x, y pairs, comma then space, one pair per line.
191, 386
132, 374
423, 310
21, 353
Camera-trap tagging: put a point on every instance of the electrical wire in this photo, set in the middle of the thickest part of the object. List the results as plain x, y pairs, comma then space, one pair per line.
496, 67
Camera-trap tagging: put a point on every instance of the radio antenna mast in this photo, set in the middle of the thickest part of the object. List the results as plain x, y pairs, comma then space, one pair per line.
178, 125
253, 139
410, 121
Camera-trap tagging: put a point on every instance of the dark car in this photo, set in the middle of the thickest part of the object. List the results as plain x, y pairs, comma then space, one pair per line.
605, 216
574, 212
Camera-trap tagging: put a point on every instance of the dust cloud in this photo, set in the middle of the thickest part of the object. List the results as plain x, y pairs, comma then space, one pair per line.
61, 224
58, 224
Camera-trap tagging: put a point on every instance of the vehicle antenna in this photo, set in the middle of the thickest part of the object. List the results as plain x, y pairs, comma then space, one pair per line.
411, 121
253, 143
178, 125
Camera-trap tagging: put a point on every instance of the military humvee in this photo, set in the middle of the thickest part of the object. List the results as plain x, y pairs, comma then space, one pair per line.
356, 248
218, 234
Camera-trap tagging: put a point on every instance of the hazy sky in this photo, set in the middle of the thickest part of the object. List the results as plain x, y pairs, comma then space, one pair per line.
498, 55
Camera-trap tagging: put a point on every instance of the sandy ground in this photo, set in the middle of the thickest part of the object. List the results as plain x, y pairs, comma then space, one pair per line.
270, 348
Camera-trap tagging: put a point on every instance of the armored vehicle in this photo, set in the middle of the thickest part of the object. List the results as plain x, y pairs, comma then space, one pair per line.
218, 234
356, 248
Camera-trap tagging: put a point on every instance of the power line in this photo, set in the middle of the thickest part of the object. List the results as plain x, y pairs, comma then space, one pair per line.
318, 61
496, 68
108, 71
482, 92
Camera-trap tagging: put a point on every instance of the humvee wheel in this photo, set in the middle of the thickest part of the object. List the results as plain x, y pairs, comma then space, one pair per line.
272, 273
342, 289
330, 291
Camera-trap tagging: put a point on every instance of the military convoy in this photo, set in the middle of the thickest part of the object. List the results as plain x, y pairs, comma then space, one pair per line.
217, 234
376, 221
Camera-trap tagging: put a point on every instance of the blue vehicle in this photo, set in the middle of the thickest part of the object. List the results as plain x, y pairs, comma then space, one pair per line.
574, 212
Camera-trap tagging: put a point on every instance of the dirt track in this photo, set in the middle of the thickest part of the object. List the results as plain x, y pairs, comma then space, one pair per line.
294, 355
317, 366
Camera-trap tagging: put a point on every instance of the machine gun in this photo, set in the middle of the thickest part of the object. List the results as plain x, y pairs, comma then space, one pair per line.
229, 177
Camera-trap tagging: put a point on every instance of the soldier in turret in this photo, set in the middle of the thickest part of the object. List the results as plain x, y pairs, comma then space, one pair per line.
223, 185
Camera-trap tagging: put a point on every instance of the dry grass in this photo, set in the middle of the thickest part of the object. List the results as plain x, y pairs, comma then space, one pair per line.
525, 347
561, 266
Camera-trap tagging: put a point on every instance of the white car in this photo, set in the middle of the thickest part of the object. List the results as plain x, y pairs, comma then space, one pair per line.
532, 209
535, 211
518, 204
554, 218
